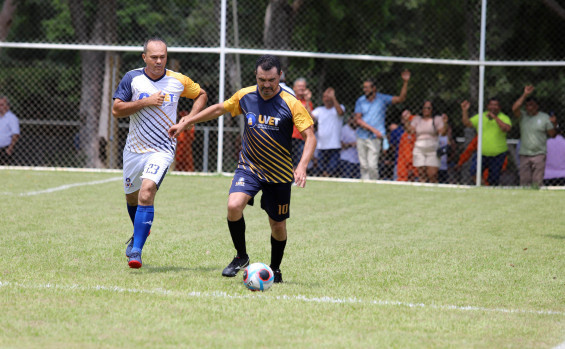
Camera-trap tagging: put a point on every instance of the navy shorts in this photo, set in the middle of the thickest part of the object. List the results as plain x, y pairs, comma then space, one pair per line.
276, 196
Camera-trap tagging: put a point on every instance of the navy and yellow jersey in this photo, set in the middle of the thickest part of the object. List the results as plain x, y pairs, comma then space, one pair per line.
266, 140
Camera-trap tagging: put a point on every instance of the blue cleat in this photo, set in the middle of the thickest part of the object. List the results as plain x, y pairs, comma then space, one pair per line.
134, 260
129, 246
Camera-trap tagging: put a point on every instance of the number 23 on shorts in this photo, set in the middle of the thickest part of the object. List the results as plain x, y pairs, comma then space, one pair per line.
152, 169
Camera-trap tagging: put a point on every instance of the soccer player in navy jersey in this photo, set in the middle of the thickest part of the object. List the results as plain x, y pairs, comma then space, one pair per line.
265, 160
149, 97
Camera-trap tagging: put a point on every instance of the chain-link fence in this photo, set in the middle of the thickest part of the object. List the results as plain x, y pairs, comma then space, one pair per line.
61, 62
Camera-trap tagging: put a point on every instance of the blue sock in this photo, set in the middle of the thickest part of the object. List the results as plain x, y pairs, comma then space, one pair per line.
131, 211
141, 226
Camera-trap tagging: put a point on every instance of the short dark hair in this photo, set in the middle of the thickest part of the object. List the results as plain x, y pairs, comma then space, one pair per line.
371, 81
493, 99
267, 62
153, 38
531, 99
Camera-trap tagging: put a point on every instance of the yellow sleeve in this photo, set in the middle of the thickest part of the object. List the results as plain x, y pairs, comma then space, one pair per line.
232, 104
191, 89
300, 116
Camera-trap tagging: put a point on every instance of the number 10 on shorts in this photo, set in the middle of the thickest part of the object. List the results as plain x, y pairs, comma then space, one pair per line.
283, 209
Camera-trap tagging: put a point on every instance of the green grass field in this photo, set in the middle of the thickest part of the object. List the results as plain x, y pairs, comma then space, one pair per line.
366, 266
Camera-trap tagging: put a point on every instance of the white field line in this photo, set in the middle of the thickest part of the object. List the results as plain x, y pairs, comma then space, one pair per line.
68, 186
230, 174
298, 298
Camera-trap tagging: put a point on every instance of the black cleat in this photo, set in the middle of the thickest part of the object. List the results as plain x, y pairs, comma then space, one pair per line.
236, 265
278, 276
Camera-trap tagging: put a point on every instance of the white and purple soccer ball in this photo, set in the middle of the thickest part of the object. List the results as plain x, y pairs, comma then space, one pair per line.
258, 277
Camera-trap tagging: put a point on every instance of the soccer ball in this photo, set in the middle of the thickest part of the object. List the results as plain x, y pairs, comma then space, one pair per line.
258, 277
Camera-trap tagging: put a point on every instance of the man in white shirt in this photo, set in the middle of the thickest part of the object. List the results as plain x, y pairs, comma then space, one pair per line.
330, 119
9, 131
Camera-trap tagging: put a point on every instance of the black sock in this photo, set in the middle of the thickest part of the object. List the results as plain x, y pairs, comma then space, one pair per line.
277, 252
237, 231
131, 211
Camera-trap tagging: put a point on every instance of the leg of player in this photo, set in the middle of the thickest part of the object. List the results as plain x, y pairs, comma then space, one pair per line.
236, 224
143, 221
278, 244
131, 201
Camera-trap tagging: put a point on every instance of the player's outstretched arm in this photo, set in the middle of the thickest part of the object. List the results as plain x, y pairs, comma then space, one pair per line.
198, 104
210, 113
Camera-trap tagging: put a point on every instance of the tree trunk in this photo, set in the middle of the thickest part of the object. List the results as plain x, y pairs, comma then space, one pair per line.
93, 69
8, 10
471, 26
555, 7
279, 24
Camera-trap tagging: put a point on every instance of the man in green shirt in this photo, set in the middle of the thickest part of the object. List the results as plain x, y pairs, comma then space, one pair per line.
535, 126
495, 127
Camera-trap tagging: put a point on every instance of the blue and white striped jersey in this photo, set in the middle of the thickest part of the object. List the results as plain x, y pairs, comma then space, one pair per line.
148, 127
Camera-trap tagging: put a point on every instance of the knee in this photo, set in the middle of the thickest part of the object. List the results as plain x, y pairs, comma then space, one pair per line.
235, 211
146, 197
278, 230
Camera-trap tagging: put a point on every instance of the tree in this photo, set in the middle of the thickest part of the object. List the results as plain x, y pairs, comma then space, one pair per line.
279, 22
8, 10
101, 31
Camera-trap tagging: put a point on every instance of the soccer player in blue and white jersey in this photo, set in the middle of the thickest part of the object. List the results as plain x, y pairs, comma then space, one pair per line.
149, 97
265, 161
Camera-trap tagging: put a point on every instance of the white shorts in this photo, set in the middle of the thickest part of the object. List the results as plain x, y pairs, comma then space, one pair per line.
152, 166
424, 153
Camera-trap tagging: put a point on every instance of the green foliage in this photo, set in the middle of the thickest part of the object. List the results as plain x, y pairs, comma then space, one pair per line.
59, 28
524, 30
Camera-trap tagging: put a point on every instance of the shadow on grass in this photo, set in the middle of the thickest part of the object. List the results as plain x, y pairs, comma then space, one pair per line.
554, 236
148, 268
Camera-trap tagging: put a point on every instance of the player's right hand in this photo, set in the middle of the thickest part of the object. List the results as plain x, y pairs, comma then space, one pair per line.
175, 130
156, 99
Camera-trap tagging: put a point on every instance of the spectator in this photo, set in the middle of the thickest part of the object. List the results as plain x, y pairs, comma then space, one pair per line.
369, 114
184, 160
471, 152
446, 161
535, 126
9, 131
395, 134
555, 162
387, 156
405, 170
284, 86
427, 130
330, 120
304, 95
349, 160
495, 127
